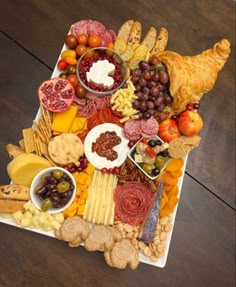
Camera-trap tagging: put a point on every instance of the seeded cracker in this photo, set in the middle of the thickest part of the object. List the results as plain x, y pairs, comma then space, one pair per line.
28, 140
181, 146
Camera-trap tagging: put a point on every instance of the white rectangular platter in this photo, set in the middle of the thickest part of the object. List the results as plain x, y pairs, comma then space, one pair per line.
162, 261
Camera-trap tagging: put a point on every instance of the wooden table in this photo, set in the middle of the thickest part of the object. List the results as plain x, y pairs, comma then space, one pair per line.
202, 251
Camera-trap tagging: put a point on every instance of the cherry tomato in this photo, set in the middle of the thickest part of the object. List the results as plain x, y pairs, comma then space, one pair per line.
109, 52
90, 53
82, 39
94, 41
80, 49
71, 41
62, 64
80, 91
71, 69
73, 80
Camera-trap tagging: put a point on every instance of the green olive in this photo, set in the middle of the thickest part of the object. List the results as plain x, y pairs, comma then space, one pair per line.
57, 173
63, 186
46, 204
148, 168
160, 161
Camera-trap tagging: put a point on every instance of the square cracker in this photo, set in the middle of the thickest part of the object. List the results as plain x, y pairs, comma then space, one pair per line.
28, 140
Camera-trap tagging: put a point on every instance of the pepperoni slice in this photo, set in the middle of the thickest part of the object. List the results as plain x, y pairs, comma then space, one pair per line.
132, 202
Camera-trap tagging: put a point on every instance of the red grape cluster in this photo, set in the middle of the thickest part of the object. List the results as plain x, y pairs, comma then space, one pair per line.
151, 83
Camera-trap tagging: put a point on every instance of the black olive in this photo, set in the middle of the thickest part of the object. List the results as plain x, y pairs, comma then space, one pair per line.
155, 171
158, 142
152, 143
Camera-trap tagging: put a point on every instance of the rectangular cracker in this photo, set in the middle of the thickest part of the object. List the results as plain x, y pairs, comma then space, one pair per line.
28, 140
161, 41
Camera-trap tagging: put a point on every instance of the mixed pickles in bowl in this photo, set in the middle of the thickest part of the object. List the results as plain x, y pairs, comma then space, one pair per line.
150, 155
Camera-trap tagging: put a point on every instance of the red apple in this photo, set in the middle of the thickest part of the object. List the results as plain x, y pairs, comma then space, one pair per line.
168, 130
190, 123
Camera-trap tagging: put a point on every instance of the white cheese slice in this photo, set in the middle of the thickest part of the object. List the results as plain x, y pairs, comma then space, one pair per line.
99, 74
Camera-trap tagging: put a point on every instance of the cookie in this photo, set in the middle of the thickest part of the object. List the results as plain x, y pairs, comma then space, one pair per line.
65, 149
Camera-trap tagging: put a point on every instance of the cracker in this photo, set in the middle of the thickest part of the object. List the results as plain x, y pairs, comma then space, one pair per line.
28, 140
181, 146
125, 30
161, 41
150, 38
135, 34
22, 144
65, 149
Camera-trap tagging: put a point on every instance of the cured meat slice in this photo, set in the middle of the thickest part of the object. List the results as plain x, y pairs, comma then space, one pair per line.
113, 34
149, 128
80, 27
132, 202
96, 28
107, 38
132, 129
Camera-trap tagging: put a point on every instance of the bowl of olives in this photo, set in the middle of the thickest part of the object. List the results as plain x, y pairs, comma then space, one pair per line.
150, 155
53, 189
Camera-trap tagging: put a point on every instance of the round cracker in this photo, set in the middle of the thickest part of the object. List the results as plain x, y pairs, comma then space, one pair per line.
65, 149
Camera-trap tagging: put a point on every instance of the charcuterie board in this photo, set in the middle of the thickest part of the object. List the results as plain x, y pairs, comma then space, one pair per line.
116, 92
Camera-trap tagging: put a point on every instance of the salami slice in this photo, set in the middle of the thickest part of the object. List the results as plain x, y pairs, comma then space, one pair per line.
106, 38
80, 27
132, 202
132, 129
95, 28
113, 34
149, 128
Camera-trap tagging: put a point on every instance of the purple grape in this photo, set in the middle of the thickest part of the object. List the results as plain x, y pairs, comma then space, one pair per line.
159, 102
142, 82
143, 106
135, 104
137, 87
154, 91
168, 99
164, 78
150, 105
134, 79
136, 72
143, 65
147, 75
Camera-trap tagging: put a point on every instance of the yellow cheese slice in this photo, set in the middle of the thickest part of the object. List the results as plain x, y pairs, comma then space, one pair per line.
79, 124
62, 122
23, 168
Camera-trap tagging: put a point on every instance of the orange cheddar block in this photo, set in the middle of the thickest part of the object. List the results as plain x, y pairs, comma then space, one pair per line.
90, 169
79, 125
62, 122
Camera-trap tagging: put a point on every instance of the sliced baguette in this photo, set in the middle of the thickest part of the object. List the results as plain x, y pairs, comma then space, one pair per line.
11, 206
125, 30
150, 38
14, 192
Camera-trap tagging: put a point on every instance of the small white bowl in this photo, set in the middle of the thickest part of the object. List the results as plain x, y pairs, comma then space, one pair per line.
132, 150
35, 198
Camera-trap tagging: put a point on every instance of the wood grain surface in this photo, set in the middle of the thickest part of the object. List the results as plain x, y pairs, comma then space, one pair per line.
202, 251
